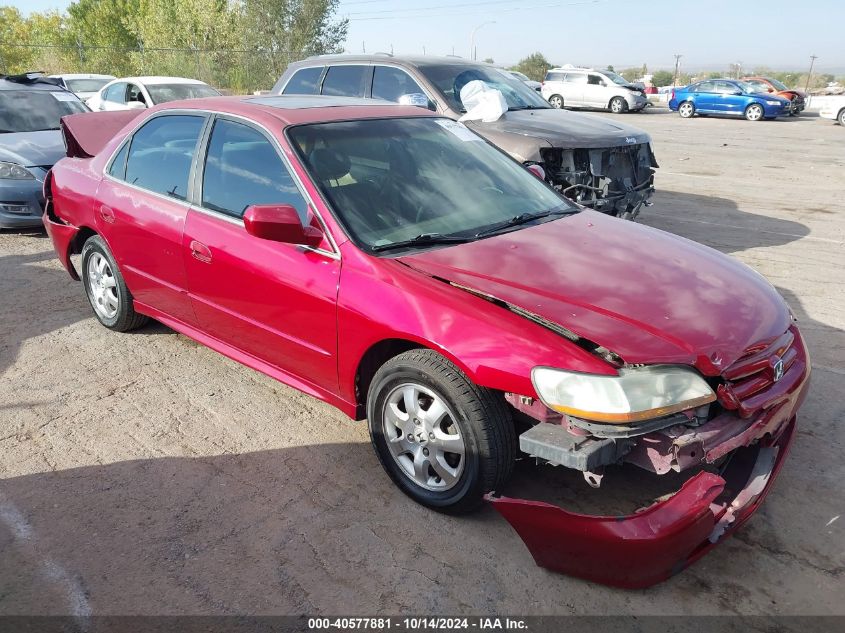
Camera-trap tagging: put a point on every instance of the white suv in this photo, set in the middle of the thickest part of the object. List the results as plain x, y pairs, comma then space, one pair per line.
572, 87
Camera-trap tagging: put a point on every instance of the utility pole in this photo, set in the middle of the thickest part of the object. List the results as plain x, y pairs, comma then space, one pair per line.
813, 59
363, 47
677, 66
472, 38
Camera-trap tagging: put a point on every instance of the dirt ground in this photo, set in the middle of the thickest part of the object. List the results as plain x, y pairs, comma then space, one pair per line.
145, 474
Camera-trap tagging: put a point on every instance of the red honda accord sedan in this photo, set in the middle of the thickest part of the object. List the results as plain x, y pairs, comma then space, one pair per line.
394, 264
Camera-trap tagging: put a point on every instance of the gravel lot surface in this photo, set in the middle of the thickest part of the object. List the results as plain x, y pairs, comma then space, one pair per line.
145, 474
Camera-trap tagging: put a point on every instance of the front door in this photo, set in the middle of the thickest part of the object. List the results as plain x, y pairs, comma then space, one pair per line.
274, 301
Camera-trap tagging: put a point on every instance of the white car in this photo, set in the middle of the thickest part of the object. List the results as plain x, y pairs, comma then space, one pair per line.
133, 93
534, 85
82, 85
573, 87
833, 108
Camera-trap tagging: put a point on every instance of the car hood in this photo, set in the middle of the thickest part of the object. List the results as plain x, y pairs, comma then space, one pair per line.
29, 149
649, 296
561, 128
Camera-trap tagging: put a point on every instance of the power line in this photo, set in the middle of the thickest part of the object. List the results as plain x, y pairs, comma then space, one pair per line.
437, 6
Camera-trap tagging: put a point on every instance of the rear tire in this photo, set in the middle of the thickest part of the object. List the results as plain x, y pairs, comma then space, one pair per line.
556, 101
443, 440
754, 112
617, 105
686, 110
106, 290
841, 117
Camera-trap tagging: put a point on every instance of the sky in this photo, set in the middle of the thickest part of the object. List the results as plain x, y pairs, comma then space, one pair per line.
779, 34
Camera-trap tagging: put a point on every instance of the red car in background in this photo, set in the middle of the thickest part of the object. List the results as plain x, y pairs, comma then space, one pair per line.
797, 98
394, 264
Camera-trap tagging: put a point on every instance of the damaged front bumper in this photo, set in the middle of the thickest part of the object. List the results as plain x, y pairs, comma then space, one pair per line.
647, 547
739, 456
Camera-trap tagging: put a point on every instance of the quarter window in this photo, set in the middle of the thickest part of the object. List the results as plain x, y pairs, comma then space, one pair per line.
391, 83
345, 81
575, 78
304, 82
243, 168
118, 165
161, 154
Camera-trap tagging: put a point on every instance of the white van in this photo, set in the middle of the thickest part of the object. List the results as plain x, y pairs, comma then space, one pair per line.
571, 87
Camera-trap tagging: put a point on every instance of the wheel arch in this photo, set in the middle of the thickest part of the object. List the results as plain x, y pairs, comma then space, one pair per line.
378, 354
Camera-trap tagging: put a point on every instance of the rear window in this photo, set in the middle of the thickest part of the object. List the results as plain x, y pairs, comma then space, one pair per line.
304, 82
86, 85
162, 93
34, 110
345, 81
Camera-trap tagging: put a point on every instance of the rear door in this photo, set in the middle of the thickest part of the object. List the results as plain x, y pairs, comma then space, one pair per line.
142, 207
705, 96
573, 89
274, 301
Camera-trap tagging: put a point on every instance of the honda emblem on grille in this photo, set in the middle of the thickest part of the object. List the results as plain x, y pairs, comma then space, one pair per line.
777, 370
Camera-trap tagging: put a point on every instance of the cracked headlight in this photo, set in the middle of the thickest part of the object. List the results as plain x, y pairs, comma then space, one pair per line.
633, 395
13, 171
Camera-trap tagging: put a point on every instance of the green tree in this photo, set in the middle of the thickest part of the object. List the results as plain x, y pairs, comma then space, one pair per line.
534, 66
489, 60
631, 74
662, 78
107, 30
610, 67
14, 32
286, 30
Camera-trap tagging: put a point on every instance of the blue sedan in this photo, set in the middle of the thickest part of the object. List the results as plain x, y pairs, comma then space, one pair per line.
728, 97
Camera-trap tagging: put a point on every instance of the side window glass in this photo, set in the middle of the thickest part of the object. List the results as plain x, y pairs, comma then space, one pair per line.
243, 168
118, 165
134, 94
594, 80
304, 82
345, 81
725, 87
576, 78
391, 83
706, 86
555, 77
161, 153
117, 93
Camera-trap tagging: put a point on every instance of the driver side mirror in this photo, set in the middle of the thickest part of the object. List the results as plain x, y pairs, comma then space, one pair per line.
736, 93
280, 223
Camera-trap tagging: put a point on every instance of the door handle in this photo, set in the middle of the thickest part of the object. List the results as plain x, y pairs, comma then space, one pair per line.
200, 251
107, 213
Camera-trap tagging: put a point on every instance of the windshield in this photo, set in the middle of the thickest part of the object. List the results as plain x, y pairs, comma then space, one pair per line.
450, 78
617, 79
34, 110
162, 93
777, 84
391, 180
86, 85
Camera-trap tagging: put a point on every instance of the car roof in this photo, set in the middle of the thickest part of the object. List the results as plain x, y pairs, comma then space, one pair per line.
153, 80
20, 82
298, 109
83, 76
408, 60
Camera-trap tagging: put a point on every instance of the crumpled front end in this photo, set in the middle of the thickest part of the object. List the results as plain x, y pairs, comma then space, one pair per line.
617, 180
734, 447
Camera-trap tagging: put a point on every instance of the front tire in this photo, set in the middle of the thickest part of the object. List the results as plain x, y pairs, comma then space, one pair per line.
556, 101
686, 110
443, 440
106, 290
617, 105
754, 112
841, 117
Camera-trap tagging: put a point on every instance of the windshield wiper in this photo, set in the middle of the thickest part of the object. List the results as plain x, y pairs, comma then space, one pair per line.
529, 107
423, 238
525, 218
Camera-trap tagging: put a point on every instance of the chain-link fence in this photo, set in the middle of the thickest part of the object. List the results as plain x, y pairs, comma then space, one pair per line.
231, 70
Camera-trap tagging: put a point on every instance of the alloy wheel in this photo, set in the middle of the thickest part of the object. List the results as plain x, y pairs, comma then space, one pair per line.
102, 286
686, 110
754, 112
423, 437
556, 102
